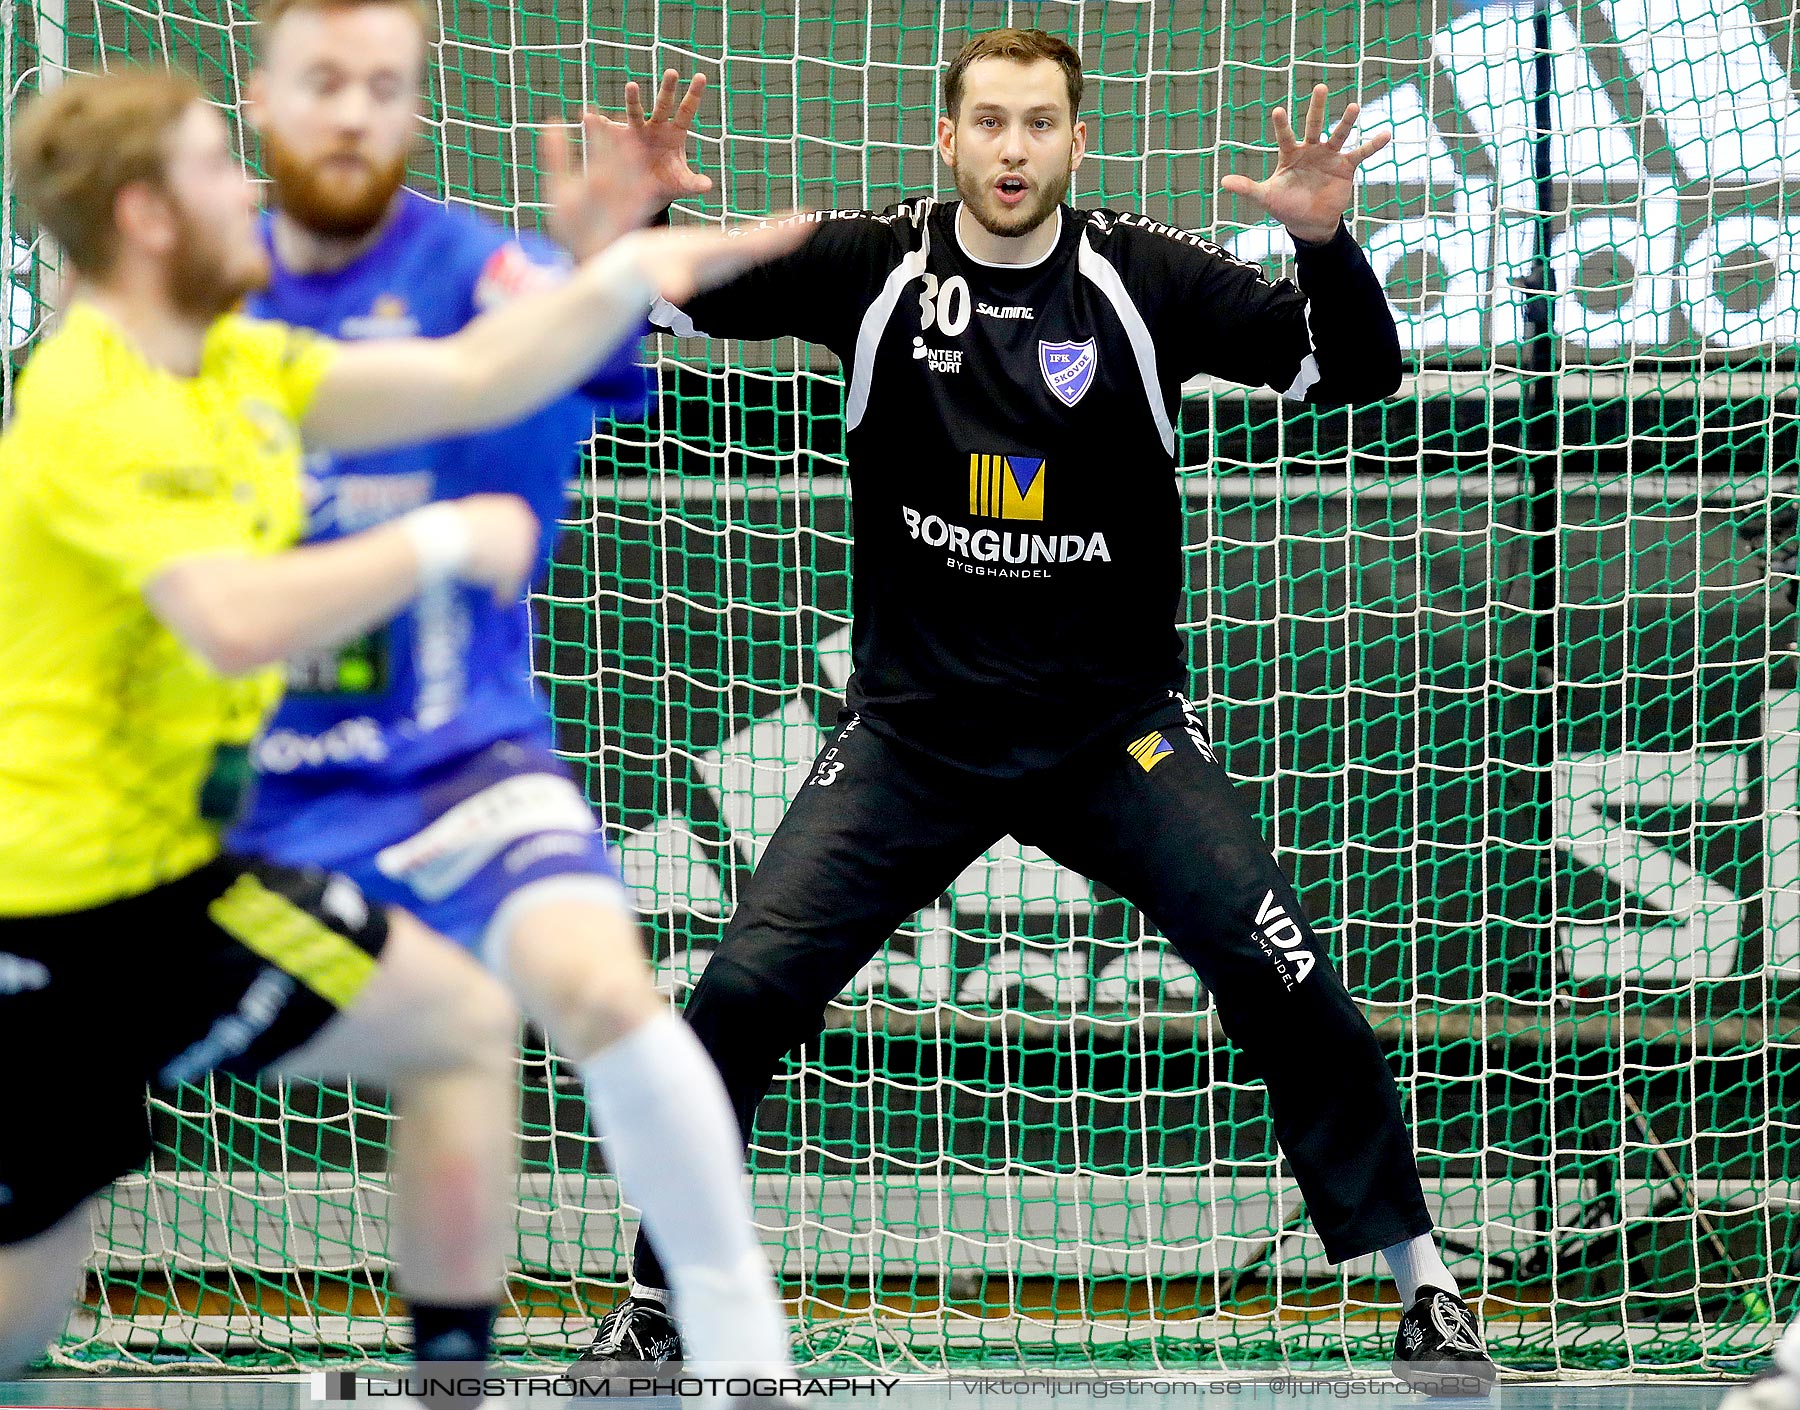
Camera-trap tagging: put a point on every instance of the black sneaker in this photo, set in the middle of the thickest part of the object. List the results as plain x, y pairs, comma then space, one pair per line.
1770, 1391
637, 1335
1439, 1348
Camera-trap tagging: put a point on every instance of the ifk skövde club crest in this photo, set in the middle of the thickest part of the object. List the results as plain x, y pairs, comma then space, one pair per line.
1068, 369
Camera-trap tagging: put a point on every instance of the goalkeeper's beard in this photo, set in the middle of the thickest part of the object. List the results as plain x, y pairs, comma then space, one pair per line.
978, 200
205, 282
330, 204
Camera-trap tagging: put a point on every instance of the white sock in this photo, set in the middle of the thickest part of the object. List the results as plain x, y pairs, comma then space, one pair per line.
1787, 1350
1417, 1264
672, 1140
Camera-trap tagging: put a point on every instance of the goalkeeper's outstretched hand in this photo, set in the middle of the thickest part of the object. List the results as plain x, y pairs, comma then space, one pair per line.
664, 135
612, 191
1313, 181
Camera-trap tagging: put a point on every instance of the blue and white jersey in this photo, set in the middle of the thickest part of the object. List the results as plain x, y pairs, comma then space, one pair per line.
452, 674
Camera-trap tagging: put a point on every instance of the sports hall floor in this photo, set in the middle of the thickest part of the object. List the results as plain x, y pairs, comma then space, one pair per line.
297, 1393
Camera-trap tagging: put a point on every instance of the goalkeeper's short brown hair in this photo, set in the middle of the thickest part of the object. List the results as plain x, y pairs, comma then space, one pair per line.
75, 148
270, 13
1023, 46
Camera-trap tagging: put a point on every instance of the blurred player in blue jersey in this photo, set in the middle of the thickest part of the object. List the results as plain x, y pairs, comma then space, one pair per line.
418, 759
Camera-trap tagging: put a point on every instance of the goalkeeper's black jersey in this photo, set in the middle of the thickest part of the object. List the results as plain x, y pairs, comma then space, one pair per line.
1017, 567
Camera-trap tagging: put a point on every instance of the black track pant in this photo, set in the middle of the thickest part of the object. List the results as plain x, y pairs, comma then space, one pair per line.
879, 831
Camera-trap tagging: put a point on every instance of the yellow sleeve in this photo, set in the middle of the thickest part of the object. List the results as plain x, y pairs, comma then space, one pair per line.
131, 509
291, 361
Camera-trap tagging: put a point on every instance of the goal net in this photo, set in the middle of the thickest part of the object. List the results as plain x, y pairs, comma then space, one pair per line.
1507, 664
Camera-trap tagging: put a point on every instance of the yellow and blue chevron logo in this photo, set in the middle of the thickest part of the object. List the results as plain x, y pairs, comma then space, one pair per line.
1150, 751
1006, 486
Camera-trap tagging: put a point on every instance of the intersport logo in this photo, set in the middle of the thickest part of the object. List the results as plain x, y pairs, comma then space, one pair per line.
1675, 162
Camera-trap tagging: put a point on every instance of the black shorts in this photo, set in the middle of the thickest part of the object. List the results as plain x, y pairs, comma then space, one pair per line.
879, 829
227, 969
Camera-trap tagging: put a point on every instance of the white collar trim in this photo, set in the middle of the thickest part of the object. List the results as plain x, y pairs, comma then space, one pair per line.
961, 206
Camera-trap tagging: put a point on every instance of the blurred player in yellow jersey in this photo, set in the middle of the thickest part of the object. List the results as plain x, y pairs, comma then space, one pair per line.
149, 493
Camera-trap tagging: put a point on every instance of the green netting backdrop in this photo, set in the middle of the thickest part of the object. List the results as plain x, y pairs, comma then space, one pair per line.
1507, 662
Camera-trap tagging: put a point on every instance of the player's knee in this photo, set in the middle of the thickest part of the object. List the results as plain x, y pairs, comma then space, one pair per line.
581, 973
597, 1010
481, 1023
733, 1007
723, 990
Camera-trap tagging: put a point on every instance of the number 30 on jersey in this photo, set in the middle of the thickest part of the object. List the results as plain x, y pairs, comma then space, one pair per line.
945, 307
